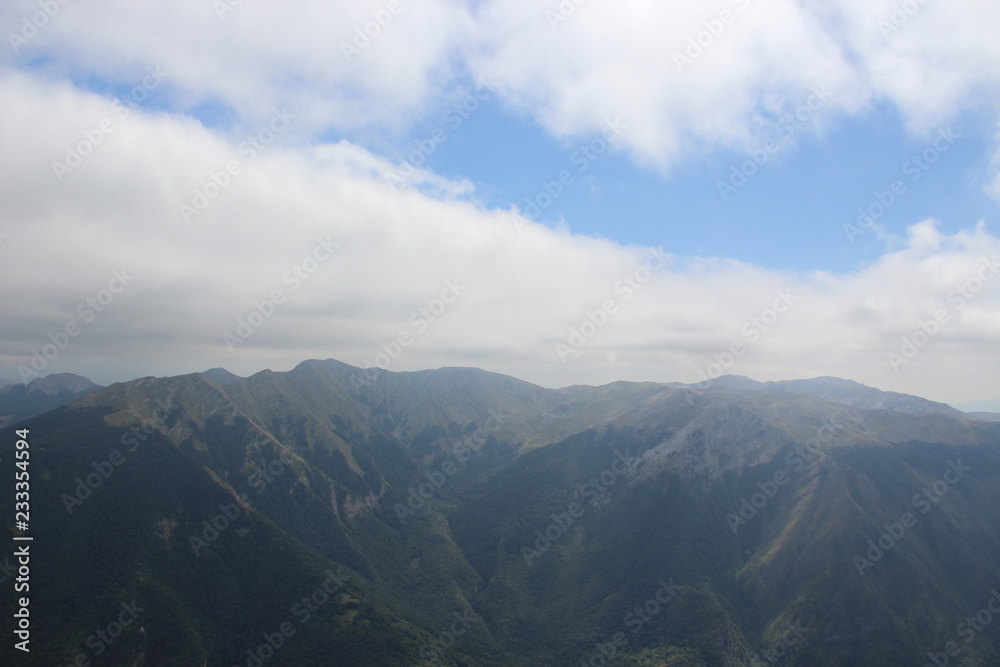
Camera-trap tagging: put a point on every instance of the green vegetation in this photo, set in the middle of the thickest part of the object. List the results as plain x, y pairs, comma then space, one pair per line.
268, 508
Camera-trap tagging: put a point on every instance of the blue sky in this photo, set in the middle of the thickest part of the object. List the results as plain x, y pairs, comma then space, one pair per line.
210, 230
789, 214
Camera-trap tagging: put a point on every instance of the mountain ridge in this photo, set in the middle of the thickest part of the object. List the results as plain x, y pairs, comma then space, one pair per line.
545, 515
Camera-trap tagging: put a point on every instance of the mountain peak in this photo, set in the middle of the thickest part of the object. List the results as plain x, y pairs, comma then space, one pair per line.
735, 382
859, 395
19, 401
58, 383
221, 376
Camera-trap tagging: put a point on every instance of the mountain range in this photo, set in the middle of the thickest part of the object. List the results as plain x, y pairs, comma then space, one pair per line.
334, 515
20, 401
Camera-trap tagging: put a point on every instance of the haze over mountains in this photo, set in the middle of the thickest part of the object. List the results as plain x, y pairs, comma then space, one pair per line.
981, 406
20, 401
460, 517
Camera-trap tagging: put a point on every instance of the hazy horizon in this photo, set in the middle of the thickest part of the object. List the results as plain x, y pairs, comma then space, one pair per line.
971, 406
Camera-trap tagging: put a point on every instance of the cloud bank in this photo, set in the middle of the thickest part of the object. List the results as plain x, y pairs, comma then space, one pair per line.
160, 240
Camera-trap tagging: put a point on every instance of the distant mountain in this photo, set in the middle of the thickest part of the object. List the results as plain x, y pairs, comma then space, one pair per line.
843, 391
854, 393
981, 406
20, 401
221, 376
462, 517
723, 383
4, 382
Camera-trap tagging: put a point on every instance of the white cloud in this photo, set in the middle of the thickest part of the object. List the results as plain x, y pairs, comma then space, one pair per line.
621, 59
120, 208
258, 57
932, 61
524, 292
